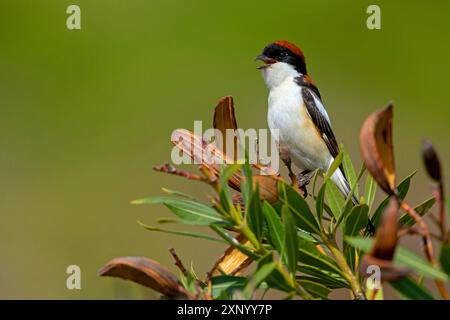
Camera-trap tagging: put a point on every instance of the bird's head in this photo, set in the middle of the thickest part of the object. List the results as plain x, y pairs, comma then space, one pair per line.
281, 60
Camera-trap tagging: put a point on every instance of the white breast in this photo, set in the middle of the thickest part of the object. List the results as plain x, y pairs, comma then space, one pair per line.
287, 115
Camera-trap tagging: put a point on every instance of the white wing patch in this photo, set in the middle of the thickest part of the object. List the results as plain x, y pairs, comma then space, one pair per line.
320, 106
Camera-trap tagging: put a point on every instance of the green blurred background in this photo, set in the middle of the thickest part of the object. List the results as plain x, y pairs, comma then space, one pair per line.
84, 115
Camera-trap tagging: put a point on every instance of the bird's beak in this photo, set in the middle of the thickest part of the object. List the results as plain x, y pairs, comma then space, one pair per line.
267, 61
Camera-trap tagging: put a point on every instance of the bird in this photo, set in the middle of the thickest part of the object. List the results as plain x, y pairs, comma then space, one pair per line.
296, 116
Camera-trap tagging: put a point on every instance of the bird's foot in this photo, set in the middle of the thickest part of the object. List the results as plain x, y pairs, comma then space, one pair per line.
303, 179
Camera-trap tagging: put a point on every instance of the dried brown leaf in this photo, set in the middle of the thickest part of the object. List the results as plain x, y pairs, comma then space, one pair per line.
146, 272
224, 119
388, 271
377, 148
233, 261
267, 187
386, 235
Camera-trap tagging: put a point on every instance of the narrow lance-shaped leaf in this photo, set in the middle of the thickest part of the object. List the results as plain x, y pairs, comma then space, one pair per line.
335, 199
275, 228
257, 278
334, 166
370, 190
181, 233
421, 209
290, 239
255, 215
349, 170
402, 190
304, 217
404, 257
226, 284
234, 242
315, 288
444, 258
320, 202
188, 211
311, 256
409, 289
355, 222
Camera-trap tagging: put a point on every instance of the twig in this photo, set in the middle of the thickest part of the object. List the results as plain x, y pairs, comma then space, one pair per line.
415, 231
178, 262
439, 195
427, 244
167, 168
347, 272
408, 231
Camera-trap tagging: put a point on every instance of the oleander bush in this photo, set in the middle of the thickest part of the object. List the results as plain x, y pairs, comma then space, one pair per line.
304, 245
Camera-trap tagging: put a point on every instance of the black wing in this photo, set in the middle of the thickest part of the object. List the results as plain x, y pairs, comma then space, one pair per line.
306, 82
320, 121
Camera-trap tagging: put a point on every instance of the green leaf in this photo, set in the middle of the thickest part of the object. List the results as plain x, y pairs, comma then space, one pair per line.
190, 212
178, 193
279, 279
257, 278
356, 220
246, 182
409, 289
348, 203
290, 239
444, 258
335, 199
329, 279
320, 202
403, 257
224, 190
402, 189
370, 190
226, 174
349, 170
316, 289
303, 215
310, 255
224, 286
275, 228
231, 240
254, 214
421, 209
181, 233
336, 163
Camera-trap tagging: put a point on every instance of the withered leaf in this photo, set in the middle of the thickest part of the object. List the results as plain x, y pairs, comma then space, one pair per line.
233, 261
377, 148
268, 187
384, 246
146, 272
386, 235
388, 271
225, 120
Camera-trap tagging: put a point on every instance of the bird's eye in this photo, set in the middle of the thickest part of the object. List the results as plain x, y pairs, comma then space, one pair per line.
283, 54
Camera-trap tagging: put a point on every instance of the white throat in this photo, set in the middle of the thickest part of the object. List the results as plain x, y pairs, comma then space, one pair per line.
277, 73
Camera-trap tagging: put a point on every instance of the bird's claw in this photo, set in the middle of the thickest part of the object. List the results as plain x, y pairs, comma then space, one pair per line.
302, 180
